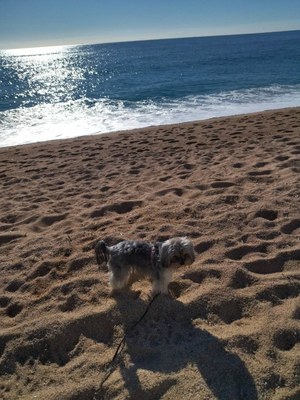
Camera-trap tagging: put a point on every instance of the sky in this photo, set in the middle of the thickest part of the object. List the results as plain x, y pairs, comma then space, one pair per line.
35, 23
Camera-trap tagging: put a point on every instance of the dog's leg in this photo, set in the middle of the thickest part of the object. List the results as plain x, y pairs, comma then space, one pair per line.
118, 278
166, 279
161, 285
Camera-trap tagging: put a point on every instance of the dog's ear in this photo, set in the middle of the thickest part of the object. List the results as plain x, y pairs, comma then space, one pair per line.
189, 248
101, 252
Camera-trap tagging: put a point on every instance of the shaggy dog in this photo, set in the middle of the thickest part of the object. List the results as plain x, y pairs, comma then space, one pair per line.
129, 260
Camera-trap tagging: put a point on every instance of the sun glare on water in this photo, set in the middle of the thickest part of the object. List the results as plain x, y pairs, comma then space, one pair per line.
45, 74
34, 51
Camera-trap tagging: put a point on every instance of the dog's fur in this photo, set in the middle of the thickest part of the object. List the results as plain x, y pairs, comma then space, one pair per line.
136, 259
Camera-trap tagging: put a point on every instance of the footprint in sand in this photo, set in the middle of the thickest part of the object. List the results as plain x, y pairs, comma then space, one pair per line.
290, 227
177, 191
260, 173
13, 310
278, 292
240, 252
279, 263
119, 208
6, 238
49, 220
14, 285
269, 215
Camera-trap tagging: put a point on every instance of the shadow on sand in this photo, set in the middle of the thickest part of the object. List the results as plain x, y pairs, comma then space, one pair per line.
166, 341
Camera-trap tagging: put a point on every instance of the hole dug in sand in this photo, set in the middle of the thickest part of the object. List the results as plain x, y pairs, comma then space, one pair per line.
70, 303
244, 343
215, 308
241, 279
200, 275
228, 310
286, 339
296, 313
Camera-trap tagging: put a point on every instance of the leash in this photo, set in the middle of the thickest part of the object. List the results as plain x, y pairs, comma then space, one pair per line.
112, 364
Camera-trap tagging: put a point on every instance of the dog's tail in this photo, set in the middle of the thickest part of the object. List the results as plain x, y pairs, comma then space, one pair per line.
102, 252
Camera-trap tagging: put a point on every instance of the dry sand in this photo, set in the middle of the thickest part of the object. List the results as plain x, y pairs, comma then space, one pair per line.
231, 328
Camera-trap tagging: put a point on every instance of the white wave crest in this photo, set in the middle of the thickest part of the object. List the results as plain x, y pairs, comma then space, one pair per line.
84, 117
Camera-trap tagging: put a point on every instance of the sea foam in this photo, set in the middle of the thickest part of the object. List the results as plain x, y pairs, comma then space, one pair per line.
84, 117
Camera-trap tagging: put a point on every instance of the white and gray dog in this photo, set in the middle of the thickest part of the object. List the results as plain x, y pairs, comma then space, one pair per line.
130, 260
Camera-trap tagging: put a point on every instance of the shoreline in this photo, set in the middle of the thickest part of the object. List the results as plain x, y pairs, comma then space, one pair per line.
180, 124
230, 327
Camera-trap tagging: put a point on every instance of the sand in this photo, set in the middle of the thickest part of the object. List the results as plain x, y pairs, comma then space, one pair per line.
230, 328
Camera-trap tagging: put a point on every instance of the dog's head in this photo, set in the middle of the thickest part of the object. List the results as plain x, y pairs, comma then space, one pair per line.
176, 252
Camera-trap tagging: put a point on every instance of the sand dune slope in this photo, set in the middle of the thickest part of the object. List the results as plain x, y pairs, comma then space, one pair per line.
229, 330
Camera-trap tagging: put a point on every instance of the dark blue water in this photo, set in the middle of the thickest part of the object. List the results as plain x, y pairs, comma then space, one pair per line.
68, 91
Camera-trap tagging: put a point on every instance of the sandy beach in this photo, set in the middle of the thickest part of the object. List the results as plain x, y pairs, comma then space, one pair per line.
230, 328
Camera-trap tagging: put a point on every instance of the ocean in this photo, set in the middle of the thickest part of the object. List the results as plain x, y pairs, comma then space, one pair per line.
67, 91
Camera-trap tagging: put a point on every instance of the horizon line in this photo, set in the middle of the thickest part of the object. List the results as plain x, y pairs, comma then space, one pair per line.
92, 43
